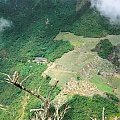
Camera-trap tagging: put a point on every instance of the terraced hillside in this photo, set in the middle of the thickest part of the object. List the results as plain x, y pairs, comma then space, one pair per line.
83, 65
33, 34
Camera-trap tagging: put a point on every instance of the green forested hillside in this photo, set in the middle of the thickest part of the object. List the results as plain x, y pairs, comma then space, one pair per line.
34, 27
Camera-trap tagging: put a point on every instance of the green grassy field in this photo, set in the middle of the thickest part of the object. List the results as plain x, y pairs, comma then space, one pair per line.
101, 85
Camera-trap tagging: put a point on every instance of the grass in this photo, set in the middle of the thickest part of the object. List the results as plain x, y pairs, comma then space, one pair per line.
99, 82
67, 36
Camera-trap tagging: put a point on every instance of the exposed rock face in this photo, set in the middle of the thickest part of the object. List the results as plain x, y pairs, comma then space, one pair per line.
116, 57
80, 4
40, 60
3, 53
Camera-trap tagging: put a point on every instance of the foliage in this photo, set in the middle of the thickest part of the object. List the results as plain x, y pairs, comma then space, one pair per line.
82, 108
91, 24
88, 25
112, 97
30, 37
104, 48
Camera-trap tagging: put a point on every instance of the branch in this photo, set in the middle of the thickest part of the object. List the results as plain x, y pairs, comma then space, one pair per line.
42, 113
14, 81
53, 87
59, 115
25, 79
64, 111
103, 114
36, 110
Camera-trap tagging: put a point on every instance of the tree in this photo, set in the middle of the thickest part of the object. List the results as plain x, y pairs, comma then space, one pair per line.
50, 111
42, 113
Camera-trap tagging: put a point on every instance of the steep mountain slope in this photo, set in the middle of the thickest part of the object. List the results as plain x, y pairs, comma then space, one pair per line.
32, 35
83, 64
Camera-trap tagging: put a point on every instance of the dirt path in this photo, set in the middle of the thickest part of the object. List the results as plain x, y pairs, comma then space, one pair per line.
23, 105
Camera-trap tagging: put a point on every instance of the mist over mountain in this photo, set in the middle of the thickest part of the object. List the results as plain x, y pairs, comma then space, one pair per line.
4, 24
108, 8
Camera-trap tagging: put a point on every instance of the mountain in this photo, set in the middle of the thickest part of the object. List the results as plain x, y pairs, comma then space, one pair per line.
71, 37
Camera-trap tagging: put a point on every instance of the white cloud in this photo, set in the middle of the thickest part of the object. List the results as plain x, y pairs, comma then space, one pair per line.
4, 24
108, 8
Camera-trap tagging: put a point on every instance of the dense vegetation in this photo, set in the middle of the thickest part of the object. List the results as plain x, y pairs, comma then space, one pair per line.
104, 48
92, 24
83, 108
31, 37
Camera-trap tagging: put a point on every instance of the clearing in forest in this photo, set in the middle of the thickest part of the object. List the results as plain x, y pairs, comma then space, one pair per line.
83, 65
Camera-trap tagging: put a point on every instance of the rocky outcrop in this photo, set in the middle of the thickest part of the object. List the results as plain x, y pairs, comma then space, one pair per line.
80, 4
40, 60
115, 57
